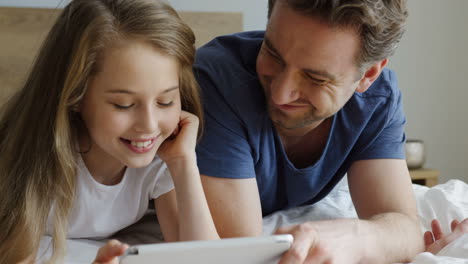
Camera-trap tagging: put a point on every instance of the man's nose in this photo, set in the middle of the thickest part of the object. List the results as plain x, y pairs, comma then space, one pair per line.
284, 88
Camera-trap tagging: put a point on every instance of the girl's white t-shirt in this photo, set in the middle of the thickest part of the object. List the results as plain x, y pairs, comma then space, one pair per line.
100, 210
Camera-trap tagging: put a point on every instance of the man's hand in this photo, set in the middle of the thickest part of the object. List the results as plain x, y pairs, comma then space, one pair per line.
436, 240
109, 253
333, 241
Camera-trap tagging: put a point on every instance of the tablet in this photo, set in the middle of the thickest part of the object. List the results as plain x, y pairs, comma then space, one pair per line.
252, 250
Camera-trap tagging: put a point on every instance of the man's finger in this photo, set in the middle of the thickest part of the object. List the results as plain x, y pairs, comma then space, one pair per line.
305, 238
454, 225
318, 255
436, 229
462, 228
428, 239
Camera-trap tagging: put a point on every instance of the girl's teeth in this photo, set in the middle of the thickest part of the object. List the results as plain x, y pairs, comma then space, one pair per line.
140, 144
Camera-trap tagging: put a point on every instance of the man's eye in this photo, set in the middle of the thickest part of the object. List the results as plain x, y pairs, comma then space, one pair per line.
122, 107
166, 104
316, 81
274, 56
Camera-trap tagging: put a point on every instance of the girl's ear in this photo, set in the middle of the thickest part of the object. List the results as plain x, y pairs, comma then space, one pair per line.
76, 108
371, 75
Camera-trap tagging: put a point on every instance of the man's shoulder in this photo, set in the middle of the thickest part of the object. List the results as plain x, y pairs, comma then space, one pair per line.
225, 69
237, 48
382, 99
232, 42
384, 86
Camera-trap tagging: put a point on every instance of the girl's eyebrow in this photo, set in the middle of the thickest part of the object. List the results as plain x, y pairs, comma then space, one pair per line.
125, 91
171, 89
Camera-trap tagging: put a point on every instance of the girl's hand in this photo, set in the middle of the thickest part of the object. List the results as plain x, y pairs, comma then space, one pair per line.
181, 145
109, 253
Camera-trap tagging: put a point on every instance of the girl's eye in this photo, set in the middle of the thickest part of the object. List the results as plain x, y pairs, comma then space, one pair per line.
122, 107
166, 104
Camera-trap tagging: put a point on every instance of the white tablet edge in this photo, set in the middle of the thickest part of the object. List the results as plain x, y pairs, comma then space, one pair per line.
222, 243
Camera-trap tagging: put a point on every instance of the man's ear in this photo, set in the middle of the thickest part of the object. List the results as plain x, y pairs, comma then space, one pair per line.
371, 75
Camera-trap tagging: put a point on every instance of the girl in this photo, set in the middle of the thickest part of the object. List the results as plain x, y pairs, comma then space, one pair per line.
111, 87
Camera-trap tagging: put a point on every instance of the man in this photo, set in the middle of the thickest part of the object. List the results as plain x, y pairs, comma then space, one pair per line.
291, 110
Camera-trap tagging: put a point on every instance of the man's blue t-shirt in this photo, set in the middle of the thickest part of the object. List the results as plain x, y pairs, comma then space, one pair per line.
240, 141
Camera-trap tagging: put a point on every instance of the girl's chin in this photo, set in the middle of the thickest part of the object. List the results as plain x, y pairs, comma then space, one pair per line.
140, 162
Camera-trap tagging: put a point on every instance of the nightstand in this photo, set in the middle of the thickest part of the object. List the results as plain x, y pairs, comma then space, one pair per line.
427, 177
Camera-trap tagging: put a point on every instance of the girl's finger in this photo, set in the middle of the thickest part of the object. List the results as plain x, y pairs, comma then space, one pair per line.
109, 251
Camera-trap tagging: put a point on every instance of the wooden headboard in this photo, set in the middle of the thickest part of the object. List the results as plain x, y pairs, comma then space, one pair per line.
22, 31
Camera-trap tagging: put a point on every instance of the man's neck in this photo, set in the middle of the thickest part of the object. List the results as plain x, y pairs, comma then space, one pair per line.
290, 137
305, 146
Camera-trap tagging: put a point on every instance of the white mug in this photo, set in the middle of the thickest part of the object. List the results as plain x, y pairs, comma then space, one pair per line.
415, 153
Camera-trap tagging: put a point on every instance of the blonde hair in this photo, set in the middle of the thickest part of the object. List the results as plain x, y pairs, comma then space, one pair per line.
38, 126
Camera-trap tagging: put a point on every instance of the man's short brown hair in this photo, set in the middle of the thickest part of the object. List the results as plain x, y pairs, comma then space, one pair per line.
380, 23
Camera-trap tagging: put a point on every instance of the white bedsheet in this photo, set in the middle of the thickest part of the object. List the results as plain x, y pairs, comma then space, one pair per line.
445, 202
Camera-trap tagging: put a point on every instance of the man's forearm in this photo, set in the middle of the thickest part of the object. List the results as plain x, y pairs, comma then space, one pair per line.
394, 237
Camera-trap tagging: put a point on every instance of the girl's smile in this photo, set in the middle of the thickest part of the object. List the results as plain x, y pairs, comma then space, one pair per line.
140, 145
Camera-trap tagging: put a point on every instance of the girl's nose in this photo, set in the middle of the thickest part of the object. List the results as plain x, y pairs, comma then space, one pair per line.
146, 120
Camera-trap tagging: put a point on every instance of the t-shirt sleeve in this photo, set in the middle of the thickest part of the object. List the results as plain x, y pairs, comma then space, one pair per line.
390, 141
163, 181
224, 150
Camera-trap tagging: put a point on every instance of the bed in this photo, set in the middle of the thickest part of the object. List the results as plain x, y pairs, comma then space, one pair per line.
21, 32
444, 202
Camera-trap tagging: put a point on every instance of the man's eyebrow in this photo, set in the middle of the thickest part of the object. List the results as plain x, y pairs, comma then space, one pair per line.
327, 75
125, 91
271, 47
